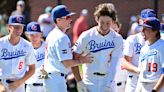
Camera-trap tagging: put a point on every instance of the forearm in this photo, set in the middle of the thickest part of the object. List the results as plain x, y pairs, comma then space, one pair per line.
129, 66
159, 83
71, 63
76, 73
29, 73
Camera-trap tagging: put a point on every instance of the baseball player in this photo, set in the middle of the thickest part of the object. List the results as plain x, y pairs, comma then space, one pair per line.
119, 82
16, 54
151, 58
58, 55
35, 84
105, 45
133, 45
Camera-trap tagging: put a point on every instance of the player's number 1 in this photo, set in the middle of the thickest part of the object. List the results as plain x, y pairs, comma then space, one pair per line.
152, 67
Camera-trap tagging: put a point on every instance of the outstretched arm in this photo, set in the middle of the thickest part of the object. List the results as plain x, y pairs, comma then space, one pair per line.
129, 66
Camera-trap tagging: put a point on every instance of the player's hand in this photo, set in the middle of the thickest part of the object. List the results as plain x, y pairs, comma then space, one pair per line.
2, 88
43, 74
14, 85
108, 89
85, 58
81, 87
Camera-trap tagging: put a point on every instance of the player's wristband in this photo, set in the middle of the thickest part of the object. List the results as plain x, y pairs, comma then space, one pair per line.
154, 90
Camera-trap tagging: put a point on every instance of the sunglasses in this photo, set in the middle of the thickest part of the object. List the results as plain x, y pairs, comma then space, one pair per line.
67, 17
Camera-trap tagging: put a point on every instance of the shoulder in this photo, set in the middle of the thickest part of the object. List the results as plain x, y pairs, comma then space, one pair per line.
3, 39
161, 43
25, 43
115, 35
133, 38
56, 34
89, 33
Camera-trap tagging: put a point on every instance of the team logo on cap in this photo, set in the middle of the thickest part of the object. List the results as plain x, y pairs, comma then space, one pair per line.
34, 27
19, 19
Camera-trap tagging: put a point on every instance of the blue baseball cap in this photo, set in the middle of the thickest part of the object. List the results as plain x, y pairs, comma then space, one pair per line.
162, 28
152, 23
33, 28
16, 20
145, 13
60, 11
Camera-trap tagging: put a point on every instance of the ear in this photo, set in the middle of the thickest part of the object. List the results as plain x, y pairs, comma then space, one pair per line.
58, 19
9, 27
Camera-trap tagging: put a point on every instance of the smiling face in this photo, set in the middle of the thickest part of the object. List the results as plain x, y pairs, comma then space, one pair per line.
35, 38
148, 33
104, 24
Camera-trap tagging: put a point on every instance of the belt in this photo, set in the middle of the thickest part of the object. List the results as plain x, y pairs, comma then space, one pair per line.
130, 76
61, 74
120, 83
37, 84
7, 81
100, 74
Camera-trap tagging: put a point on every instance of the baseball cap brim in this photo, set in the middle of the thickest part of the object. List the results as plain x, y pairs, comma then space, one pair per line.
16, 24
33, 32
70, 14
144, 25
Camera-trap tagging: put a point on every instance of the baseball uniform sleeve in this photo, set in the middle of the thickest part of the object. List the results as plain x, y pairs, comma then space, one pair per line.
117, 53
162, 59
128, 47
63, 49
30, 58
79, 45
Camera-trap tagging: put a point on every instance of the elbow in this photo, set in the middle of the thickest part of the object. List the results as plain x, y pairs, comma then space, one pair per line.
66, 63
32, 69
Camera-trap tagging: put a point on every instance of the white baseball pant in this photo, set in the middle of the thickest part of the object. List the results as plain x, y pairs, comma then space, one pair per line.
32, 88
146, 87
118, 86
95, 83
131, 83
55, 83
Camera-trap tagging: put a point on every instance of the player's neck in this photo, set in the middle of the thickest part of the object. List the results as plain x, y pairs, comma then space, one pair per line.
62, 28
14, 40
37, 45
101, 32
153, 40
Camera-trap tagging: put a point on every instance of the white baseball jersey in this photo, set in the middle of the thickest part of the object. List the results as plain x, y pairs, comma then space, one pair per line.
151, 61
102, 48
40, 55
162, 35
15, 59
133, 45
58, 49
120, 71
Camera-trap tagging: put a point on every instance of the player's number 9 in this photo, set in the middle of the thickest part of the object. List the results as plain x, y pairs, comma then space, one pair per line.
152, 67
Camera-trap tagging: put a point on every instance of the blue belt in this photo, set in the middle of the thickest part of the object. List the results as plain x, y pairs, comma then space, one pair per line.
100, 74
61, 74
121, 83
7, 81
